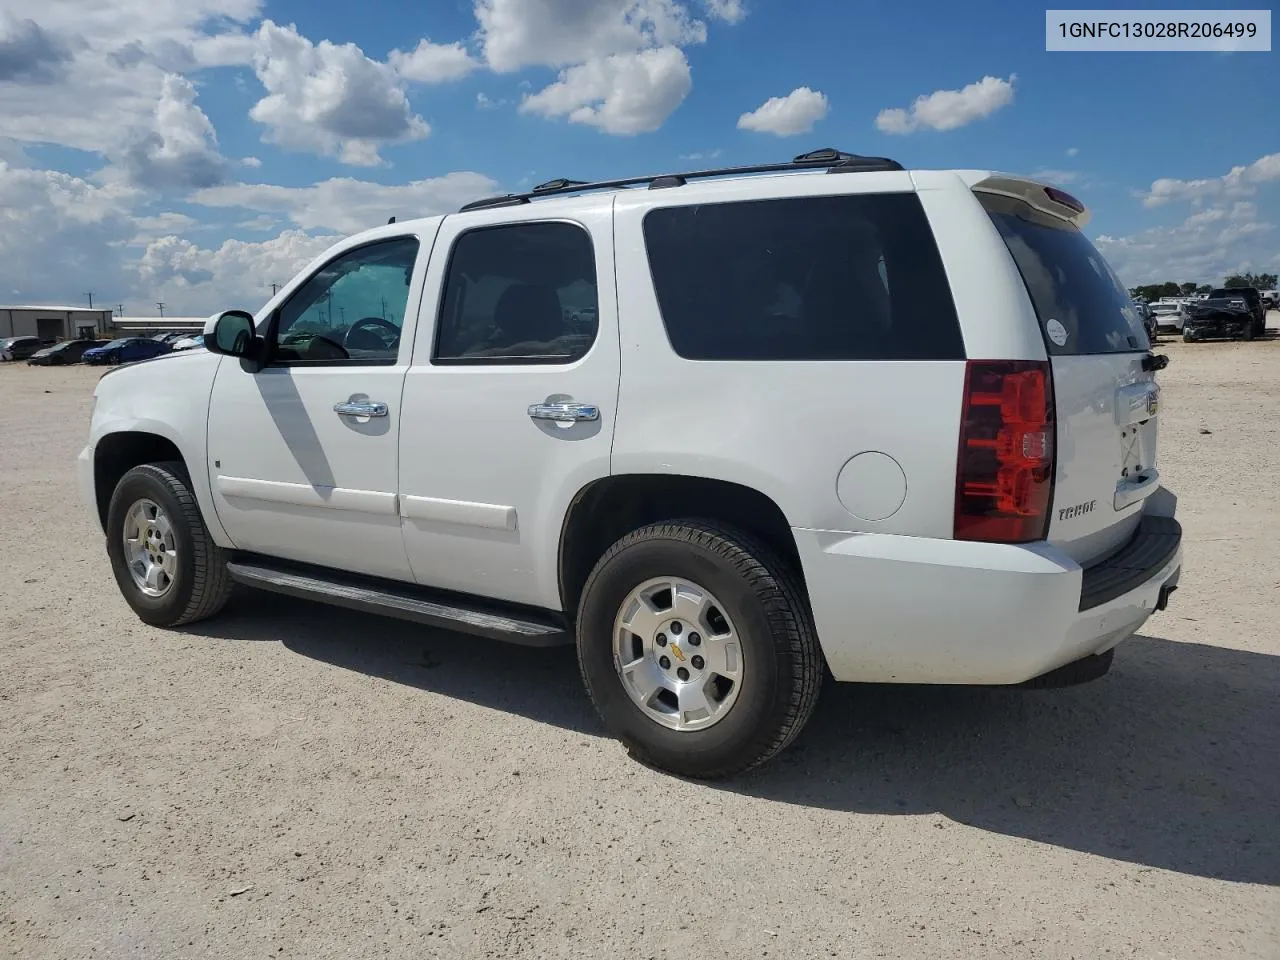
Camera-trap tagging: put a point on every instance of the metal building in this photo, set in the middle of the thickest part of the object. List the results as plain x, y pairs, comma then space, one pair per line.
53, 323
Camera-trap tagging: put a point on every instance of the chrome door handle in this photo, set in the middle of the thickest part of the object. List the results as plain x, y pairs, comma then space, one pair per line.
564, 412
360, 408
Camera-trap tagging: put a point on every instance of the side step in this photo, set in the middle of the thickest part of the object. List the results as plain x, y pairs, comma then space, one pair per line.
404, 601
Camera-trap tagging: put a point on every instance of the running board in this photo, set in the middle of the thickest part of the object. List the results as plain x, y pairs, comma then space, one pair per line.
405, 602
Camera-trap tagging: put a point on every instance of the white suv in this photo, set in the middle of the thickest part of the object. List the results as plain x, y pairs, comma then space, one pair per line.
723, 430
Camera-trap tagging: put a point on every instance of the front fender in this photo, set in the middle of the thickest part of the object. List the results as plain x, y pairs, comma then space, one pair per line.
169, 398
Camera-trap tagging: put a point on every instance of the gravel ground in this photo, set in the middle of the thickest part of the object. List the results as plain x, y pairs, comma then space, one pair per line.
295, 781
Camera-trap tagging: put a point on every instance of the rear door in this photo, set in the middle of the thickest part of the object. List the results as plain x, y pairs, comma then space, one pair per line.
509, 401
1107, 405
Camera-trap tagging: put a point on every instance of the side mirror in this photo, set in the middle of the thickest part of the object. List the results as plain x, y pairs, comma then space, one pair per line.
232, 334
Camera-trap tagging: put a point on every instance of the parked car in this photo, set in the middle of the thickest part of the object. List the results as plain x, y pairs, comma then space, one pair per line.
189, 343
1252, 300
1148, 319
1271, 300
1169, 314
69, 351
815, 423
1219, 317
20, 348
126, 350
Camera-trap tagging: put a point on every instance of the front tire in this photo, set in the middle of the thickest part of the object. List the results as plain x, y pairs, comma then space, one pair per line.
698, 649
165, 562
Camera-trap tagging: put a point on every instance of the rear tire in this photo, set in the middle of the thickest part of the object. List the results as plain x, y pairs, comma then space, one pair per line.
770, 640
190, 582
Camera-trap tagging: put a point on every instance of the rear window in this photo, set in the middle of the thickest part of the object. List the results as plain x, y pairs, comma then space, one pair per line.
806, 278
1082, 306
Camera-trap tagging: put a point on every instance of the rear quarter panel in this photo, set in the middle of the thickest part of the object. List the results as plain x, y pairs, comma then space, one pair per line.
785, 428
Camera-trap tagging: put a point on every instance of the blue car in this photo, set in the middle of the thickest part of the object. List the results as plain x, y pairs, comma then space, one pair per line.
126, 350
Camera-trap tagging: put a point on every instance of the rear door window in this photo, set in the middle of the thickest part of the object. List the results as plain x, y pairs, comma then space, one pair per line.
1082, 306
853, 277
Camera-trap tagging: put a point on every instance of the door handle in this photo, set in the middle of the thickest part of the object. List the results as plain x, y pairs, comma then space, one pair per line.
360, 408
564, 412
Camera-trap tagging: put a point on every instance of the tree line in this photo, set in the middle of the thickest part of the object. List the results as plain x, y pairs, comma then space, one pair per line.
1154, 291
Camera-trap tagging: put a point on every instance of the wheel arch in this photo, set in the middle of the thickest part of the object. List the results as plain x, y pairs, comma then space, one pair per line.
605, 510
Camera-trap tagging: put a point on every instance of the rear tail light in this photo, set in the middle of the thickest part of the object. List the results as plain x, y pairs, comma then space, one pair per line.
1005, 468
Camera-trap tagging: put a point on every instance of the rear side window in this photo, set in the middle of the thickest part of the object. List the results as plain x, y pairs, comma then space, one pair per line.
806, 278
1082, 306
520, 293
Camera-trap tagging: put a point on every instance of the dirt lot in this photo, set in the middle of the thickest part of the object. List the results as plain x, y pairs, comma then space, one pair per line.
294, 781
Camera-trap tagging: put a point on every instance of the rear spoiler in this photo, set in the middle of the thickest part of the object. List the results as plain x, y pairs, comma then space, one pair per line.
1047, 199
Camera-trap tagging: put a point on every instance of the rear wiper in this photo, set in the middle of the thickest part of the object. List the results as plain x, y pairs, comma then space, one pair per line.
1154, 361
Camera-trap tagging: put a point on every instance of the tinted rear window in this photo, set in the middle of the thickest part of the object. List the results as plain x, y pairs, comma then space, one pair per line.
806, 278
1082, 306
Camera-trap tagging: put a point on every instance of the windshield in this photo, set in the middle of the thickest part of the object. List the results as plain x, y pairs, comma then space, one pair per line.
1229, 293
1082, 306
117, 343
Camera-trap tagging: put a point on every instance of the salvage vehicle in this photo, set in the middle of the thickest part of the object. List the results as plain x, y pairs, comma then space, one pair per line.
1225, 314
725, 430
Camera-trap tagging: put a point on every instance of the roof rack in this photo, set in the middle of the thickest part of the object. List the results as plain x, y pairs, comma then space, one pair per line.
836, 161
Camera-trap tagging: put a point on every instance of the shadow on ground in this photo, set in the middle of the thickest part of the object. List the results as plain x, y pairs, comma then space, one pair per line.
1171, 761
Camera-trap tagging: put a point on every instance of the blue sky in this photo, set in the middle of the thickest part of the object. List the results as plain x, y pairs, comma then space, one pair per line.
197, 150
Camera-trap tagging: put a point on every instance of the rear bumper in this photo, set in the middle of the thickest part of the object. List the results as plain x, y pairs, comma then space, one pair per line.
892, 609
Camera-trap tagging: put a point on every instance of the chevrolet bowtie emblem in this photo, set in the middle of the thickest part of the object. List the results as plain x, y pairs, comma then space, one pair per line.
677, 652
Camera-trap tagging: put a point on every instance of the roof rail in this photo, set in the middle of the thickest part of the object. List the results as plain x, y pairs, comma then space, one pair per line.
836, 161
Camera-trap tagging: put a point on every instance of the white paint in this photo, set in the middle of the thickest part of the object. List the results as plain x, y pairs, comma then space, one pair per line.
489, 516
872, 486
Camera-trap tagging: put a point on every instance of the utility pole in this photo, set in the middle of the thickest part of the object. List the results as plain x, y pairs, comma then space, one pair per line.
89, 294
274, 288
119, 309
160, 304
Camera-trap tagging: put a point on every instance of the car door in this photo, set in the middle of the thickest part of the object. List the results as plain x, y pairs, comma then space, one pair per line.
509, 402
302, 453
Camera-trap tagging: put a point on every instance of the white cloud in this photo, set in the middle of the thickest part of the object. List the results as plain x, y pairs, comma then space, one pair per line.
1073, 151
1059, 177
730, 11
329, 99
199, 281
60, 229
1239, 181
177, 149
433, 62
556, 33
701, 155
97, 67
253, 162
1207, 246
28, 53
346, 206
787, 116
622, 64
160, 225
949, 109
625, 93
